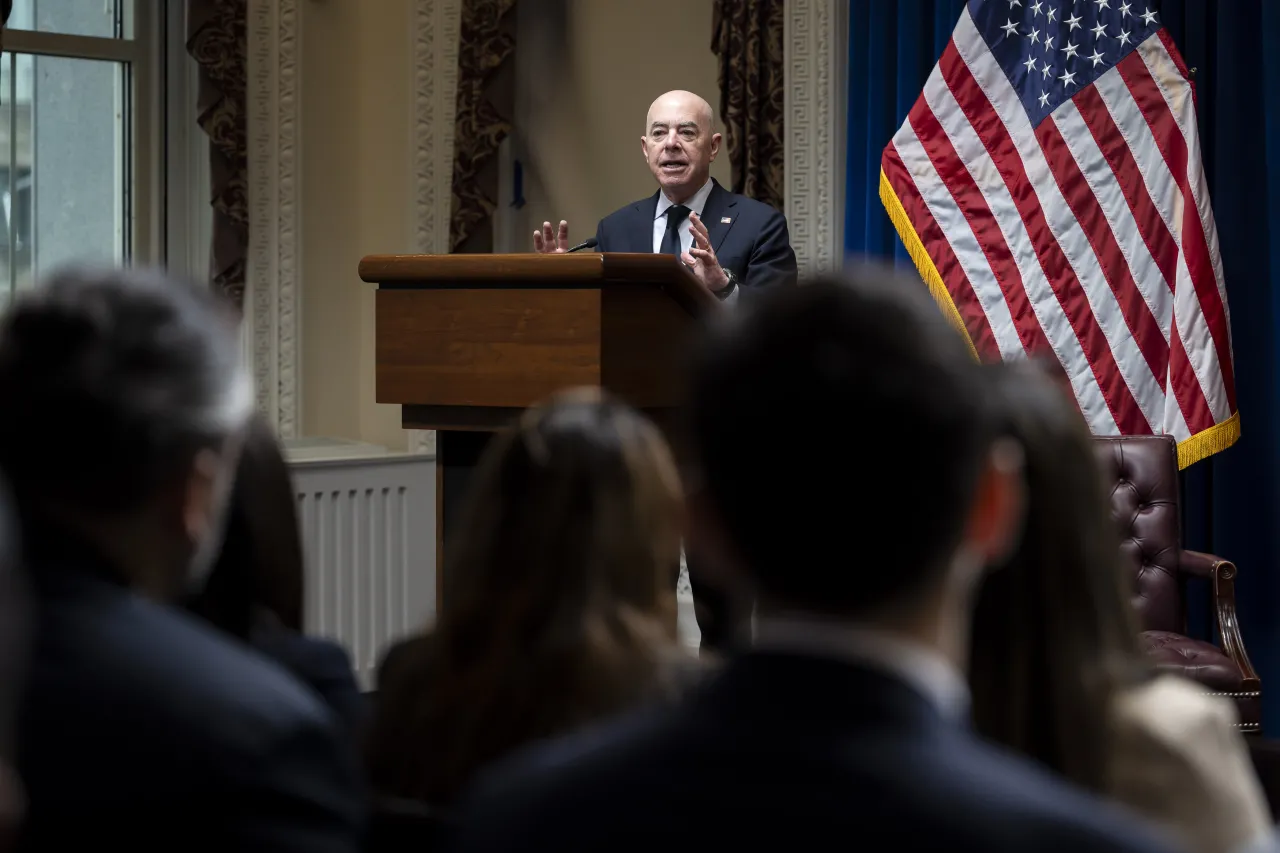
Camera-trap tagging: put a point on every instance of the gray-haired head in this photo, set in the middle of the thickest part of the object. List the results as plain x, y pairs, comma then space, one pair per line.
114, 383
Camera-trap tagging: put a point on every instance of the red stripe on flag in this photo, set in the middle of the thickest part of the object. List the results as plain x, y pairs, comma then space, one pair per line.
1184, 384
1195, 248
935, 243
1061, 278
1190, 398
1084, 206
985, 228
1151, 225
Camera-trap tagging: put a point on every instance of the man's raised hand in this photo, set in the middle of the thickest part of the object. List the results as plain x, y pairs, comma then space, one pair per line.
552, 243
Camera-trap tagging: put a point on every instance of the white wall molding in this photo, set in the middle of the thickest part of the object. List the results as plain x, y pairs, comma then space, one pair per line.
813, 53
435, 30
274, 264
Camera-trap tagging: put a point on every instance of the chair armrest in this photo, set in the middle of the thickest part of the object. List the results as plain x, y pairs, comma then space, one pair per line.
1199, 564
1223, 575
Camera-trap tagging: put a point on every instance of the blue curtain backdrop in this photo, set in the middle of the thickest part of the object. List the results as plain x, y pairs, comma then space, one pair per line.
1232, 501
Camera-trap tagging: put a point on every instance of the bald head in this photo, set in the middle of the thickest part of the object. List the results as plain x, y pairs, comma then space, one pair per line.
679, 100
680, 142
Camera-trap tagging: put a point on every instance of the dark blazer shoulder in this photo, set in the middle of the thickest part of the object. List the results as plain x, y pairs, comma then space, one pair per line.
109, 642
132, 706
628, 227
641, 209
321, 664
933, 781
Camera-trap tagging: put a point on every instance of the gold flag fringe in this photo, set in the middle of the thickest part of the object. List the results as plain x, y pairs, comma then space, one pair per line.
924, 263
1200, 446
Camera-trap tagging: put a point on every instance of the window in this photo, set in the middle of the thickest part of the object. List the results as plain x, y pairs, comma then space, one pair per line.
81, 156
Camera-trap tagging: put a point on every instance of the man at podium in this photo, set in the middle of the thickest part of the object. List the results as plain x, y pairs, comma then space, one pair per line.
729, 242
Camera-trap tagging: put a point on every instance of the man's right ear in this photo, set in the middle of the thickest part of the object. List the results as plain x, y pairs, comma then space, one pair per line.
999, 505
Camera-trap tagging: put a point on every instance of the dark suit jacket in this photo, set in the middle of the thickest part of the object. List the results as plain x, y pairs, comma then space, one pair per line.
321, 664
145, 729
754, 243
788, 753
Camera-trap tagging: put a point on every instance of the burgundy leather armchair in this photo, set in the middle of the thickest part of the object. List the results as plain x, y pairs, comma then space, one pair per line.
1143, 474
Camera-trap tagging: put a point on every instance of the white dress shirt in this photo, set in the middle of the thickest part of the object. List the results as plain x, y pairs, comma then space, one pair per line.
695, 205
919, 667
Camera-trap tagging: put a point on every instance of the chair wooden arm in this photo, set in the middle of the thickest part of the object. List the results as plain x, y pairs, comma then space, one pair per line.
1223, 575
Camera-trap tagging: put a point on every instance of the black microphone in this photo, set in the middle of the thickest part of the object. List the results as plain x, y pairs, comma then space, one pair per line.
589, 243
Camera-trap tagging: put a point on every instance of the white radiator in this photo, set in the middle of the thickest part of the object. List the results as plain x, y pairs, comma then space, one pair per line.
368, 527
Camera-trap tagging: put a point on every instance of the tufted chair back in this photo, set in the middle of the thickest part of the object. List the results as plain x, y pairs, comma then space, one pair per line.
1143, 474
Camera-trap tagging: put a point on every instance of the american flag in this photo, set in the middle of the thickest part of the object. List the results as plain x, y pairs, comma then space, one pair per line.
1048, 184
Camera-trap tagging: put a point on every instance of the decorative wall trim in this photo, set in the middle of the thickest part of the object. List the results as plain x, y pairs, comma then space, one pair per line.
273, 270
436, 30
815, 130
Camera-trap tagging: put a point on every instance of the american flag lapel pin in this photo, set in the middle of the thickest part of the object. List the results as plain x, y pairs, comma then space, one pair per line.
725, 220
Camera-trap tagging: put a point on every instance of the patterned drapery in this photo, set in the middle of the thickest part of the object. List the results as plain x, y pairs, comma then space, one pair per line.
216, 41
746, 35
485, 43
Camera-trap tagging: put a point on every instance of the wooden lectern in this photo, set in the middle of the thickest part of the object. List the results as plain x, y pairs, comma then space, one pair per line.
465, 342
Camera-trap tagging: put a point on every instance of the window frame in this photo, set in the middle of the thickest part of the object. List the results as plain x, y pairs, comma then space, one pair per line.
147, 177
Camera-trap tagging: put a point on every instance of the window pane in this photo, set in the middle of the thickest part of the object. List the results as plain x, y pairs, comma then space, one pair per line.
63, 165
101, 18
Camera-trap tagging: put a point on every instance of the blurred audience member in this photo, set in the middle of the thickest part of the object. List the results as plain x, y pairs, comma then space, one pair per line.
15, 641
126, 405
561, 609
255, 591
1055, 666
864, 544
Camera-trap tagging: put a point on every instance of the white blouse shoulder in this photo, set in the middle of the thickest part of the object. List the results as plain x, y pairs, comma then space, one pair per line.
1179, 760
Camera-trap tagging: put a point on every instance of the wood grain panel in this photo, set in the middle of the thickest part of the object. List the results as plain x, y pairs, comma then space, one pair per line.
485, 347
644, 345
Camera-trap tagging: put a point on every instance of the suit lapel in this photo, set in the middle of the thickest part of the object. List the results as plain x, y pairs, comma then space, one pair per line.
642, 231
719, 213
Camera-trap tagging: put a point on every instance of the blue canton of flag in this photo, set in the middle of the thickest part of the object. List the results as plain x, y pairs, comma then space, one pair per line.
1051, 49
